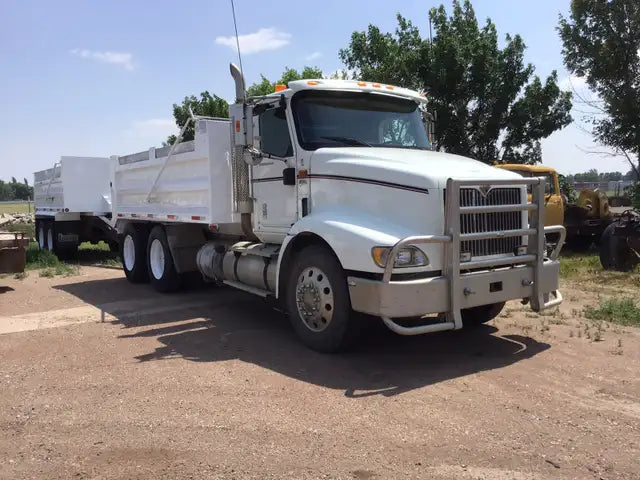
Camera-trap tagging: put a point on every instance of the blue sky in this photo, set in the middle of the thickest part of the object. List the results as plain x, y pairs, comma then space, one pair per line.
99, 77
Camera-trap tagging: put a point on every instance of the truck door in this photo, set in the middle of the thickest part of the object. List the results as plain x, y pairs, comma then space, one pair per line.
275, 203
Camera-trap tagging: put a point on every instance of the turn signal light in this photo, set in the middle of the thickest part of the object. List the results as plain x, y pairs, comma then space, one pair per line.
280, 87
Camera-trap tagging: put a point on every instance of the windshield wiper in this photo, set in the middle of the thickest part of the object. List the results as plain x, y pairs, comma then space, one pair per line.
349, 141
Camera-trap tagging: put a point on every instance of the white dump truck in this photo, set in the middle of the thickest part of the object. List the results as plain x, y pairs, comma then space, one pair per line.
73, 204
327, 196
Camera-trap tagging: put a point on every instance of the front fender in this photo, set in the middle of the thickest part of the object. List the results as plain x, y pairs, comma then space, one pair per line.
352, 234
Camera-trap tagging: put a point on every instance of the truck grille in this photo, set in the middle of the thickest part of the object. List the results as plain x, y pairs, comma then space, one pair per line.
490, 222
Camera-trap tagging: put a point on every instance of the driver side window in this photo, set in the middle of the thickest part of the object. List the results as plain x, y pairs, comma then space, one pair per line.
274, 133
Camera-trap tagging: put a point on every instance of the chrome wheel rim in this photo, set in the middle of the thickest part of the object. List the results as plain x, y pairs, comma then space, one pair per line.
50, 240
314, 299
156, 259
129, 252
41, 237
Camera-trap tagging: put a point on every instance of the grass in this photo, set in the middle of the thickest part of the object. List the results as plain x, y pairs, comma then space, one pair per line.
99, 254
621, 311
15, 207
48, 264
578, 265
585, 268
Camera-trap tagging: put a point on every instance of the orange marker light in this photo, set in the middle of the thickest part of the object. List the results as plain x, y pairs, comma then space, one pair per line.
237, 126
280, 87
362, 84
302, 173
388, 87
312, 82
376, 85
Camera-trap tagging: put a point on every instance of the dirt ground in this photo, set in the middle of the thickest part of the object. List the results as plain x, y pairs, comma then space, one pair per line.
103, 379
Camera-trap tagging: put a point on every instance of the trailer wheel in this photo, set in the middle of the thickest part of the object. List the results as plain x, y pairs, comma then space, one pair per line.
41, 233
162, 270
478, 315
317, 300
51, 237
133, 252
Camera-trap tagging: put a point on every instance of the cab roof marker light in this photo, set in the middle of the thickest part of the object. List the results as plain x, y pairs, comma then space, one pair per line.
313, 82
362, 84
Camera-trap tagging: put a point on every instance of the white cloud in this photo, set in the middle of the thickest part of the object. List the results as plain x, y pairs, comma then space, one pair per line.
263, 39
154, 129
121, 59
313, 56
572, 82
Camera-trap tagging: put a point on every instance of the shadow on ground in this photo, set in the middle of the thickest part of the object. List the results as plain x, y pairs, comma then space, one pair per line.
217, 324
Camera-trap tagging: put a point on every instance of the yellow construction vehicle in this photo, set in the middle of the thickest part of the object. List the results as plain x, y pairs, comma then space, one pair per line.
584, 220
554, 203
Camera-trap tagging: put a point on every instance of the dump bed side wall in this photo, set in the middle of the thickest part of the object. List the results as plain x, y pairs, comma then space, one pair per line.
86, 184
48, 194
79, 184
194, 187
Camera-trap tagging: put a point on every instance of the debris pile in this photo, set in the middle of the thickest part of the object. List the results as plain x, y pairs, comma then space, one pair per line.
15, 219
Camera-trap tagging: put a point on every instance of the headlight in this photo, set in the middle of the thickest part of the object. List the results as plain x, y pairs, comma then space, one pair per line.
406, 257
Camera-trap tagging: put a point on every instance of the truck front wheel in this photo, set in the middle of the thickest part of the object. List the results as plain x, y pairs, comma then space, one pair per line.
133, 252
317, 300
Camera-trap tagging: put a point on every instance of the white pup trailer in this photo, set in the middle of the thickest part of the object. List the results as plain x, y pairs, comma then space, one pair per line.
73, 204
327, 196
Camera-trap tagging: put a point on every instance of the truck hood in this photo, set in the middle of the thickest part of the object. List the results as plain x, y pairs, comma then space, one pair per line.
413, 168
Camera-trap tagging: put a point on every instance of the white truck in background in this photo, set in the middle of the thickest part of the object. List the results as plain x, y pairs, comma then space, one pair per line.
72, 203
327, 196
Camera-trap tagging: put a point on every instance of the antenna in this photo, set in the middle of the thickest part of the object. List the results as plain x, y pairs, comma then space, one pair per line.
235, 26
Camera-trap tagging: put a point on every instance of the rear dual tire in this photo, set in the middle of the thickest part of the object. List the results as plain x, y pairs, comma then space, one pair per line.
161, 269
146, 257
133, 252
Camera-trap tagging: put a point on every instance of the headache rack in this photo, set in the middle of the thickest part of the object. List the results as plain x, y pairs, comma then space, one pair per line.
462, 209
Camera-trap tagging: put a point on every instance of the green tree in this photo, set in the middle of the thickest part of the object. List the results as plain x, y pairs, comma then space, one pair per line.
487, 101
566, 189
601, 40
208, 105
265, 86
214, 106
5, 191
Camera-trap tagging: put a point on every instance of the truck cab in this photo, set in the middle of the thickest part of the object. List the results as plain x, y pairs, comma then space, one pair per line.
347, 168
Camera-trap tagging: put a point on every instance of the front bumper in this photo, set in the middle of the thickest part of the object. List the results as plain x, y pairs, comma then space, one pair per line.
432, 295
480, 281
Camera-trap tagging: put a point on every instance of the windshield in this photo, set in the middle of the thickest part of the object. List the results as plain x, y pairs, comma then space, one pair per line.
335, 119
549, 186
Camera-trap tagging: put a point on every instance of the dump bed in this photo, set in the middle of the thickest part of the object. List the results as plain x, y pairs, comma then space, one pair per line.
193, 185
74, 184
